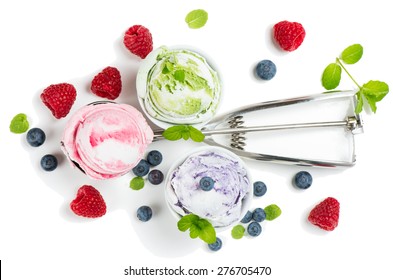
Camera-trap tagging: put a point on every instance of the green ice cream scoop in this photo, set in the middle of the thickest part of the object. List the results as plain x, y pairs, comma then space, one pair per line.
178, 86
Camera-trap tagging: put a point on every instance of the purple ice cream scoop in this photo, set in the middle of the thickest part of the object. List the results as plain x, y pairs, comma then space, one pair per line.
225, 203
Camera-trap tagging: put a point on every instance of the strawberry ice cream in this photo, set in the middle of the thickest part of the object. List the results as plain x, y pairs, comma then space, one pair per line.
106, 140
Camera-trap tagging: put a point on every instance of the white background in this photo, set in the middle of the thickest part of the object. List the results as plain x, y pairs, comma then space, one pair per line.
47, 42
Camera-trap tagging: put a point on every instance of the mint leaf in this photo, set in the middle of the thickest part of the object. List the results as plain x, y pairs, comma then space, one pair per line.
173, 133
207, 232
194, 231
186, 221
272, 212
359, 105
137, 183
331, 76
198, 228
196, 18
378, 90
196, 135
167, 68
352, 54
372, 103
19, 124
374, 91
180, 75
238, 232
186, 132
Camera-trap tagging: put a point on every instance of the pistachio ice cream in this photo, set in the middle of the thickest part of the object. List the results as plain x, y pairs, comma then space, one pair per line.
178, 86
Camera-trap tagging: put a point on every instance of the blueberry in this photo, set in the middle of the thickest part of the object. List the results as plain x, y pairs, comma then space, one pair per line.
206, 183
142, 168
49, 162
254, 229
247, 218
35, 137
154, 158
259, 188
266, 69
155, 177
303, 180
216, 245
144, 213
259, 215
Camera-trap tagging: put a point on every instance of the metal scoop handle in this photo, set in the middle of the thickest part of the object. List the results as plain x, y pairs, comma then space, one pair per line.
352, 123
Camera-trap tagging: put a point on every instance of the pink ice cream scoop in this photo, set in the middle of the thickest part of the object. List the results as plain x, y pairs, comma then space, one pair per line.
106, 140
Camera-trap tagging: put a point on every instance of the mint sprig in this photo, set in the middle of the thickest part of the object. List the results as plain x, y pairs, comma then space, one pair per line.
371, 92
198, 227
185, 132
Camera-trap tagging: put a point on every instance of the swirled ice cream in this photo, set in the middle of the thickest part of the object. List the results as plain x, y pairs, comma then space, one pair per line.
178, 86
225, 203
106, 140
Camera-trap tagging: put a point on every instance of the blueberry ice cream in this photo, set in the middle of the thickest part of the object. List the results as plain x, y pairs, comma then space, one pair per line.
223, 204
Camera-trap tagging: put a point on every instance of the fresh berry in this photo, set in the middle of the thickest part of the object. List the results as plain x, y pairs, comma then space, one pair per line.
107, 83
88, 203
49, 162
259, 188
155, 177
35, 137
138, 40
259, 215
59, 98
206, 183
154, 158
142, 168
144, 213
326, 214
289, 35
254, 229
266, 69
216, 245
302, 180
247, 218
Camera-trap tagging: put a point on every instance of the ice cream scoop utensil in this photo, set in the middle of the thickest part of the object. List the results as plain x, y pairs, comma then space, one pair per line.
344, 120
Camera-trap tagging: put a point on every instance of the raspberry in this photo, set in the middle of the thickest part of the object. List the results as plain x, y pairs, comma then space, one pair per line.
326, 214
59, 98
107, 83
289, 35
138, 40
88, 203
